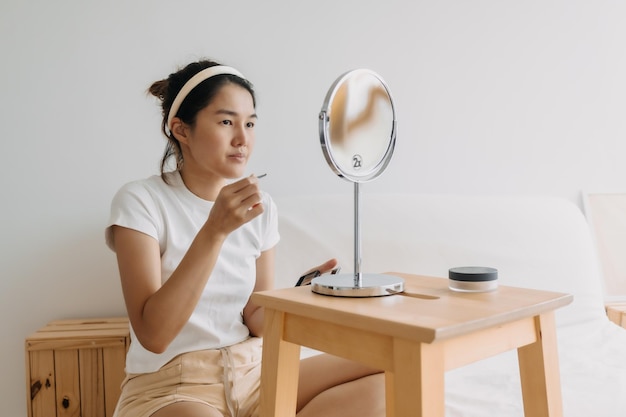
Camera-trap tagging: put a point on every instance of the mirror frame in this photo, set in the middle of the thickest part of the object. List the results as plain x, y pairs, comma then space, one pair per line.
326, 140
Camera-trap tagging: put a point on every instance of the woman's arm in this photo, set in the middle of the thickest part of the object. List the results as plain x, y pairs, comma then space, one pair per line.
252, 313
158, 311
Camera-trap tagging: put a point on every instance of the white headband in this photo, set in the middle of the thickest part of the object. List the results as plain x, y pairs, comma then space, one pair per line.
193, 83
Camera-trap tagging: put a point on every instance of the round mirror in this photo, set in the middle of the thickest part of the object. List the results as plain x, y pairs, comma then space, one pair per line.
358, 126
358, 134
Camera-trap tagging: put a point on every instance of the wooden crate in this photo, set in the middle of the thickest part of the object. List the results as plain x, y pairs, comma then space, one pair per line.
74, 368
617, 313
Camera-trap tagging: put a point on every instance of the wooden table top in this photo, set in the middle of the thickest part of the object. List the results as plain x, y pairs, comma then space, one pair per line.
427, 311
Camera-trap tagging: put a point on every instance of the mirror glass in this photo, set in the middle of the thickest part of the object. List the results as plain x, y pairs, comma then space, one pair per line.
358, 126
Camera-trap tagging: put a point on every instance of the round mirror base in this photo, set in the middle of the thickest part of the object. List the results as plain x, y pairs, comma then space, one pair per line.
343, 285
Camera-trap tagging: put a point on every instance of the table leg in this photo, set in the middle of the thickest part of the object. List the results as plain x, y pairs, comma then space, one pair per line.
539, 371
415, 387
279, 370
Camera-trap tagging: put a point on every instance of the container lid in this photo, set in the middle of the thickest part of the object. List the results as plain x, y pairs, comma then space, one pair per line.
473, 273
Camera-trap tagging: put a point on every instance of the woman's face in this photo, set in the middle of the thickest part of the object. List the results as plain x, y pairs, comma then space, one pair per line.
222, 140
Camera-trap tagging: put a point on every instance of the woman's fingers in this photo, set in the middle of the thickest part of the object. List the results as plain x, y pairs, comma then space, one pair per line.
326, 267
236, 204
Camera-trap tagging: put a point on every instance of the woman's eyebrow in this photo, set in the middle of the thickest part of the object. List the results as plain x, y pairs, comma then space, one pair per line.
234, 113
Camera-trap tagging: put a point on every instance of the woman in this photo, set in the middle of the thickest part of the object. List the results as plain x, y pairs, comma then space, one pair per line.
192, 245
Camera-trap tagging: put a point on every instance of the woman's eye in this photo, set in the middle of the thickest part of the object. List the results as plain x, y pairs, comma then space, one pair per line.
227, 122
250, 125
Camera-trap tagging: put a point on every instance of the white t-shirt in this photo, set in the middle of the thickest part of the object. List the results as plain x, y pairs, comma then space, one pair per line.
173, 215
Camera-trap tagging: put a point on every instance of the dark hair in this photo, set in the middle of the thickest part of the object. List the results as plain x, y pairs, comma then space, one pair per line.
197, 99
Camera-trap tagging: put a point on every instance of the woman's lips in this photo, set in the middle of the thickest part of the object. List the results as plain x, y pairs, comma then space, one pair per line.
238, 156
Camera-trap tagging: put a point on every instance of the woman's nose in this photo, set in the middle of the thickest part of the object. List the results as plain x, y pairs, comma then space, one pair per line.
242, 136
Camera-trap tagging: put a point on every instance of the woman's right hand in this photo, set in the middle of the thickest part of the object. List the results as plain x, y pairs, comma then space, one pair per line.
235, 205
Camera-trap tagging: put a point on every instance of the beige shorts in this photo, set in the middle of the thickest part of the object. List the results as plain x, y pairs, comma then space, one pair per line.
227, 379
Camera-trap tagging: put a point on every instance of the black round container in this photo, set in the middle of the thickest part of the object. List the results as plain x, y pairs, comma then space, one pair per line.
473, 279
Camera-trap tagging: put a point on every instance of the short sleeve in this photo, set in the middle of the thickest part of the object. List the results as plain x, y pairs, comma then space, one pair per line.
271, 235
133, 207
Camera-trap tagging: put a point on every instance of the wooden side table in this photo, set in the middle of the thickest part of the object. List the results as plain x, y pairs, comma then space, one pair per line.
414, 338
617, 313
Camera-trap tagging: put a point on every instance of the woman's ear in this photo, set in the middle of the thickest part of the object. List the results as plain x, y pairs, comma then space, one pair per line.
179, 130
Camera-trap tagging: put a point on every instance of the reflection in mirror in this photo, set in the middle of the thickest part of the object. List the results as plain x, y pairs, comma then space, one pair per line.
357, 126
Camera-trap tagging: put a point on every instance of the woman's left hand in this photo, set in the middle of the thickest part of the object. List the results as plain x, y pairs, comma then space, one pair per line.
327, 266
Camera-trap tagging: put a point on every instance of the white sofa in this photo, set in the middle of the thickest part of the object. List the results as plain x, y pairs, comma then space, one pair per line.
534, 242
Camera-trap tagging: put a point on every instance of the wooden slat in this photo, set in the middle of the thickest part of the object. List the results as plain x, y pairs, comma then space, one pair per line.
41, 389
85, 325
67, 380
91, 365
78, 334
90, 322
77, 329
86, 343
114, 374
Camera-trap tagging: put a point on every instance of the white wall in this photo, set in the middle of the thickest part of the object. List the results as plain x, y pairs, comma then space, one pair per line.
493, 97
